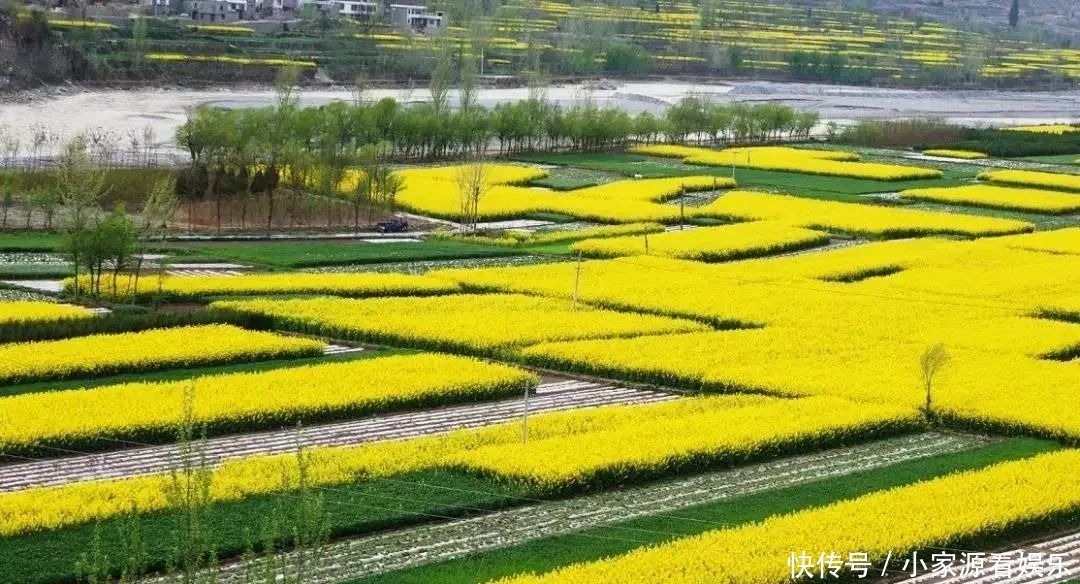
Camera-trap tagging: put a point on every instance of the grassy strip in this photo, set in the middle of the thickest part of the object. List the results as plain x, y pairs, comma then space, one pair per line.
594, 544
565, 178
119, 322
178, 374
306, 254
29, 241
826, 187
864, 274
1062, 315
1065, 159
49, 557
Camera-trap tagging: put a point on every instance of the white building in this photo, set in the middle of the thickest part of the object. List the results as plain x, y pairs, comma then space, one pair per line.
358, 9
415, 17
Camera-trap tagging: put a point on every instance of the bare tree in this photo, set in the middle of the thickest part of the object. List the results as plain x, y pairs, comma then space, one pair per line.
361, 84
441, 78
7, 197
188, 495
161, 205
149, 143
472, 186
467, 80
11, 145
930, 364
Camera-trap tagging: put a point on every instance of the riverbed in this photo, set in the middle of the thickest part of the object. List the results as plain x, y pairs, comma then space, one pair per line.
125, 114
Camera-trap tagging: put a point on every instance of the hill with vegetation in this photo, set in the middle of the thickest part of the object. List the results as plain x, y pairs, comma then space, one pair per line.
789, 40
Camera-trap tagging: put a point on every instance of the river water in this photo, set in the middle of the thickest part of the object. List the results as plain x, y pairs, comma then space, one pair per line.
121, 114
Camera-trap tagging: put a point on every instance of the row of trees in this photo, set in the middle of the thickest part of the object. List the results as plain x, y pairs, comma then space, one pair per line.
694, 118
100, 245
332, 136
258, 151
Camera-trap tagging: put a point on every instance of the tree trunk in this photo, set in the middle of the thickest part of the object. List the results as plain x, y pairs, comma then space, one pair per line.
243, 207
210, 179
270, 210
115, 277
75, 261
138, 271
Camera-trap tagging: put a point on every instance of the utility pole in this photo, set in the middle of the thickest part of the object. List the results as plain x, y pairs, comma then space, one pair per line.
646, 243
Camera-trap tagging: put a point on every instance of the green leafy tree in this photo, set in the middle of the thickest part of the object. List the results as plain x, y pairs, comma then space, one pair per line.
47, 199
363, 193
81, 186
627, 58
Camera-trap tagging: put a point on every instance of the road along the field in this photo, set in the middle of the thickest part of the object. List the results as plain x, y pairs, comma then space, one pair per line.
549, 397
1020, 570
356, 558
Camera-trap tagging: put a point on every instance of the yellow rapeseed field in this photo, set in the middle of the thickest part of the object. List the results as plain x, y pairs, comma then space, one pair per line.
1031, 178
804, 161
246, 401
854, 217
435, 192
151, 349
217, 29
473, 323
22, 311
1047, 129
981, 503
565, 451
92, 24
996, 197
849, 322
225, 59
1065, 241
958, 154
762, 152
343, 284
708, 243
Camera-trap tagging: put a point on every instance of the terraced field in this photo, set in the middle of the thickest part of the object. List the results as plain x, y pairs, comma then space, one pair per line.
137, 459
647, 371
